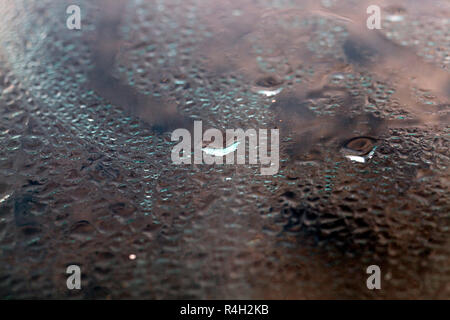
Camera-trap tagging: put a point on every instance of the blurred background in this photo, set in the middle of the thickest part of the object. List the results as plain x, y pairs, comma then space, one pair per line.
86, 176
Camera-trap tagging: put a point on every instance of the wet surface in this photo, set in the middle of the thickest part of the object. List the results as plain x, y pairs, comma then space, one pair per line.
86, 176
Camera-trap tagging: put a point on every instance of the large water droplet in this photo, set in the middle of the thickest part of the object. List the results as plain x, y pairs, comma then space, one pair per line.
359, 149
268, 86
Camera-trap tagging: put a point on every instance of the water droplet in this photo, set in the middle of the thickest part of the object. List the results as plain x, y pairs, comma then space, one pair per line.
218, 152
269, 82
395, 18
359, 149
268, 86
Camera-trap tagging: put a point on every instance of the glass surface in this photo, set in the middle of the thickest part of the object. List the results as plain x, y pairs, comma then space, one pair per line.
87, 179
